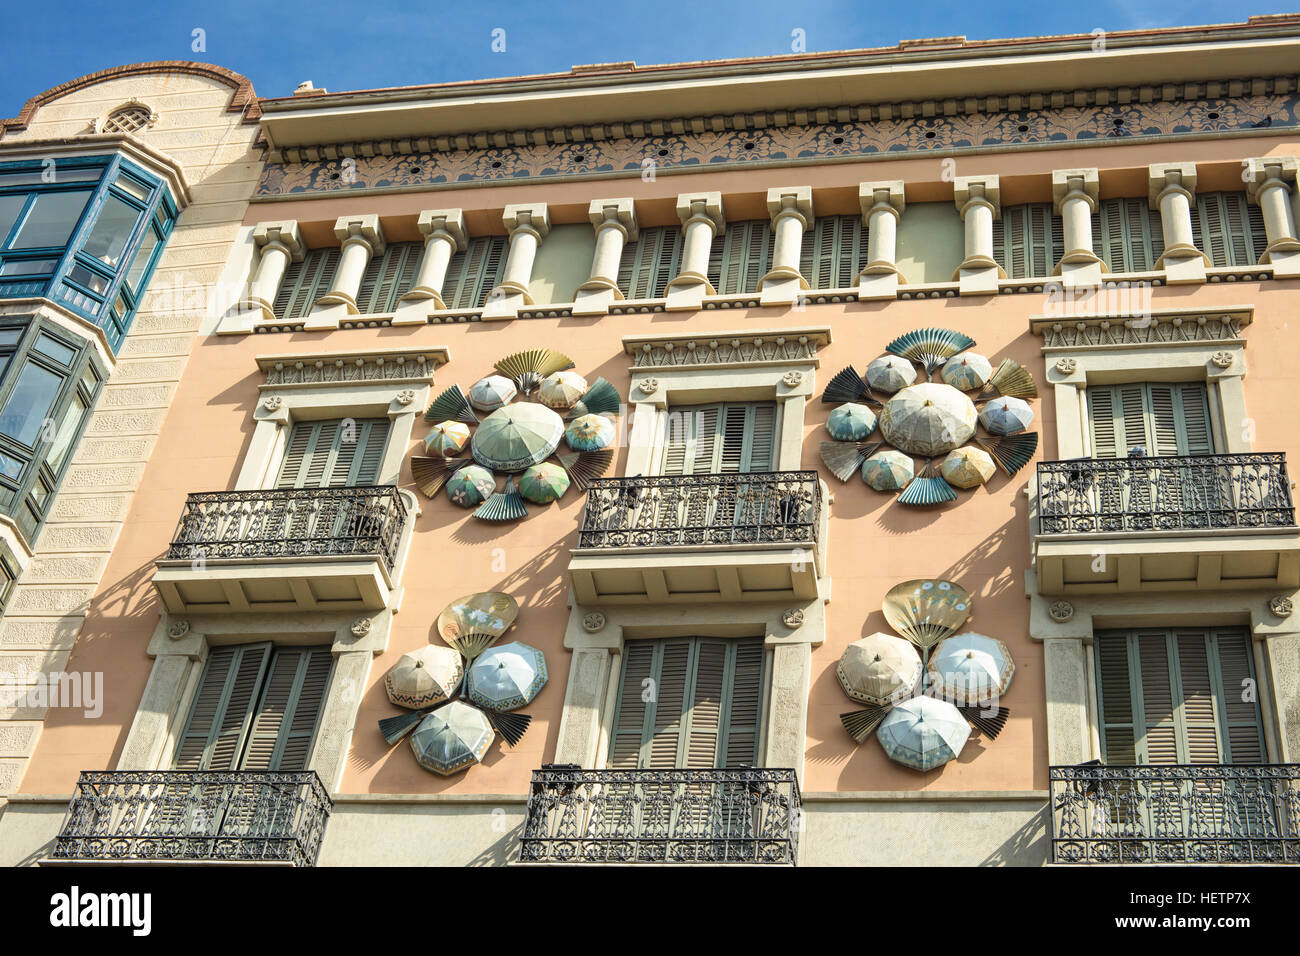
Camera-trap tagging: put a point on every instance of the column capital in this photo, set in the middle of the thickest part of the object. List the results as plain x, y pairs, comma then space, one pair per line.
283, 232
791, 200
977, 189
702, 206
534, 216
889, 194
614, 211
1075, 183
1162, 177
448, 221
365, 228
1268, 171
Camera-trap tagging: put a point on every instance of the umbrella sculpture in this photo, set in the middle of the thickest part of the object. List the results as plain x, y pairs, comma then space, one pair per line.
512, 422
931, 420
851, 422
452, 724
922, 707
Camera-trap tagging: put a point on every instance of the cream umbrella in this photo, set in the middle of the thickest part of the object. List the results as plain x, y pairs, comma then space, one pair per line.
929, 419
967, 371
562, 390
879, 669
506, 677
491, 392
424, 677
889, 373
446, 439
967, 467
1007, 415
971, 669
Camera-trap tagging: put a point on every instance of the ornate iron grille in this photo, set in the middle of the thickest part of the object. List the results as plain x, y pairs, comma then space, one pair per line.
208, 815
1164, 494
744, 815
774, 507
1193, 813
291, 523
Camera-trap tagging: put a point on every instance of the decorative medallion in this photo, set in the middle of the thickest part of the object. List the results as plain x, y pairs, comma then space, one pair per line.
1061, 611
512, 423
272, 403
406, 396
1067, 366
593, 621
792, 617
925, 691
648, 386
931, 420
1280, 605
360, 627
178, 628
459, 696
1222, 358
792, 378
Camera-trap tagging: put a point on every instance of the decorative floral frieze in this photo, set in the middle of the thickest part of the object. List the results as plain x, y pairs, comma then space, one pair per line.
284, 371
1120, 331
727, 349
688, 144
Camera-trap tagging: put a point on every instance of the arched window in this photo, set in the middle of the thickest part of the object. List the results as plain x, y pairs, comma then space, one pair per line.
128, 118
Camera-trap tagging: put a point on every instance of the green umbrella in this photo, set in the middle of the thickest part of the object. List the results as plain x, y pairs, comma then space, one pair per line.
544, 482
923, 733
888, 470
471, 486
851, 422
516, 436
589, 433
451, 738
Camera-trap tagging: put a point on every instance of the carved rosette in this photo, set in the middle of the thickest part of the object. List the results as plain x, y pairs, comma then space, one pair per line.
593, 621
1280, 606
1061, 611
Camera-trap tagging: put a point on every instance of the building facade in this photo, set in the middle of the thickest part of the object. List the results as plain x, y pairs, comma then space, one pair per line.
724, 382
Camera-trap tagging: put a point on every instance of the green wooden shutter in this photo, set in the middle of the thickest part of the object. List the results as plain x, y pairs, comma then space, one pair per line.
1127, 236
741, 258
1166, 419
1228, 229
219, 719
833, 252
472, 274
705, 705
1027, 240
284, 725
333, 453
304, 282
388, 277
721, 438
1176, 696
650, 263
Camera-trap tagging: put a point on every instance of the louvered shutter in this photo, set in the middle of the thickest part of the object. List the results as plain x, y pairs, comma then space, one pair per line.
288, 712
222, 712
1118, 419
1165, 419
650, 263
1200, 742
334, 453
660, 748
722, 438
388, 277
1119, 729
304, 282
1159, 743
632, 710
833, 252
1127, 235
742, 722
743, 258
1209, 230
1242, 721
1228, 229
1027, 240
472, 274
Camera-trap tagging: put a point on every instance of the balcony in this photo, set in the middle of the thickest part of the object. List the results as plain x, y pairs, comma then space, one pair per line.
1120, 525
214, 817
287, 549
1202, 813
700, 538
741, 816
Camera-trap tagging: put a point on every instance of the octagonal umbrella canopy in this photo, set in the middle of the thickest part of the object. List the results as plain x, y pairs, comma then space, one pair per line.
447, 439
544, 482
970, 668
923, 733
451, 738
471, 486
929, 419
589, 433
516, 436
490, 393
888, 470
966, 371
506, 677
967, 467
1007, 415
879, 669
851, 422
562, 390
889, 373
424, 676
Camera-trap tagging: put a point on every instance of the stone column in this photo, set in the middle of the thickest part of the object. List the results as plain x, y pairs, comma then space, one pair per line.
1272, 187
584, 698
978, 198
701, 218
527, 224
882, 207
615, 224
1074, 199
1171, 188
361, 237
278, 244
791, 209
444, 236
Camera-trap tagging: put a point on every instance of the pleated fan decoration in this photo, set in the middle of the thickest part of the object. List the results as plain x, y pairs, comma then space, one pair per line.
452, 405
930, 348
528, 368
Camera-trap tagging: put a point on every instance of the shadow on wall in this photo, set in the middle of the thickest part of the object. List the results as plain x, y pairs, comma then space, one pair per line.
503, 851
1028, 846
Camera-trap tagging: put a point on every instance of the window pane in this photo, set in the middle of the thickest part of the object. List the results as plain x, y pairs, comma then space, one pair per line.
63, 437
55, 349
61, 174
29, 403
10, 207
10, 336
129, 185
10, 467
91, 280
29, 267
52, 219
148, 242
111, 231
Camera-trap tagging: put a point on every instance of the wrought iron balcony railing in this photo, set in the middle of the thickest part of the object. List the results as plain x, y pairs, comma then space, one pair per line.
291, 523
1164, 494
772, 507
195, 816
1185, 813
745, 815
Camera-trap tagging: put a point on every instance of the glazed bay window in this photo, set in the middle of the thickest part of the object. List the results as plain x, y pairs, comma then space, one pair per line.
85, 232
50, 380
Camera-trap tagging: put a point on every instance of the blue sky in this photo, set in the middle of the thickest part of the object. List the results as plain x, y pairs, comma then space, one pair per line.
360, 44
